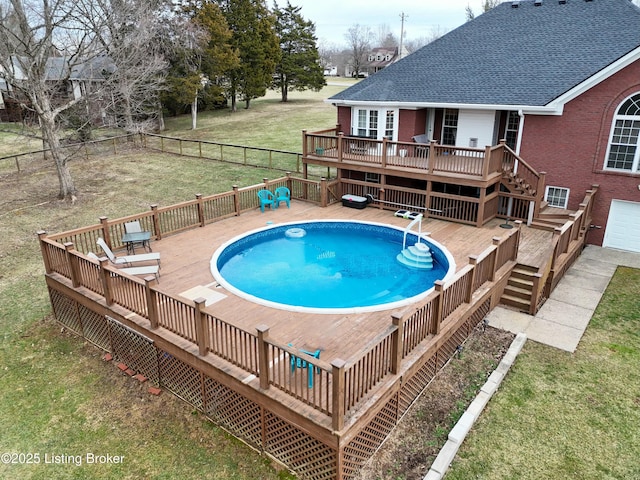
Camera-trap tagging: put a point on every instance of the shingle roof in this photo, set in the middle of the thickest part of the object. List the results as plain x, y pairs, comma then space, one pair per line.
529, 55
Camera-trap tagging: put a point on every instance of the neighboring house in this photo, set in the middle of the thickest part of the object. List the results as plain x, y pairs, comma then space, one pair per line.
558, 80
382, 57
331, 71
71, 79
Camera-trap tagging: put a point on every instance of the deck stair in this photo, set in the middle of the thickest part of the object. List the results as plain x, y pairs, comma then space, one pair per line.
550, 218
416, 256
519, 289
517, 184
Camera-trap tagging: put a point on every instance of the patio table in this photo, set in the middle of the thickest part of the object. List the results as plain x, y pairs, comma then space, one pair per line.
141, 238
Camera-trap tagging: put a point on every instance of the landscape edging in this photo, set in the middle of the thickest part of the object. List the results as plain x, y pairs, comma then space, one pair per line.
472, 413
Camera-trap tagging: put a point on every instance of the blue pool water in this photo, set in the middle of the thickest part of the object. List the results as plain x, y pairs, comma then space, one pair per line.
326, 267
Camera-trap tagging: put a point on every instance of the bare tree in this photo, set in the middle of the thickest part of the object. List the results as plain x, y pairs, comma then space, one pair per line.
134, 35
486, 6
44, 44
359, 42
384, 37
417, 43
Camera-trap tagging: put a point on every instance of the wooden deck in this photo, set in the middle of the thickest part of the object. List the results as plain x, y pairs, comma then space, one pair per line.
186, 272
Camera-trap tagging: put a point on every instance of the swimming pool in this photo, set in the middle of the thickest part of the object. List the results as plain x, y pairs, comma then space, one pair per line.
325, 266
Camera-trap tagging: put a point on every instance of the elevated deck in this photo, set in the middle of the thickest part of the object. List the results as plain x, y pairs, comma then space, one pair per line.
237, 361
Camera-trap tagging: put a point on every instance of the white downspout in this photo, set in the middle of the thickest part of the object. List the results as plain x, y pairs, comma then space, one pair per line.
532, 205
515, 165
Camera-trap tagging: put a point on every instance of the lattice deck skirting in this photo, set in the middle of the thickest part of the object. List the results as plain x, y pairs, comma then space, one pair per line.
249, 421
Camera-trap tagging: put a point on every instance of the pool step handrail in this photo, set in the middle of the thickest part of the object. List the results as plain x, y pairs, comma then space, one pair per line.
408, 228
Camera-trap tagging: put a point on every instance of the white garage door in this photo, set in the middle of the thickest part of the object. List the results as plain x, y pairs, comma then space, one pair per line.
623, 226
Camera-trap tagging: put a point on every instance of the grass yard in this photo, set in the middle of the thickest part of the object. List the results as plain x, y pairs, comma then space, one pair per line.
567, 416
269, 123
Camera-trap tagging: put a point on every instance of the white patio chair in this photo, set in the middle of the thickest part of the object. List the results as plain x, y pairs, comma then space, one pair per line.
127, 259
147, 270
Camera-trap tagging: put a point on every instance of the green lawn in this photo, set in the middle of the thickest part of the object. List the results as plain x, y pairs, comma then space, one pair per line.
568, 416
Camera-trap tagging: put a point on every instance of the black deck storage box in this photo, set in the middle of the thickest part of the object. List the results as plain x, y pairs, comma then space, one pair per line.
354, 201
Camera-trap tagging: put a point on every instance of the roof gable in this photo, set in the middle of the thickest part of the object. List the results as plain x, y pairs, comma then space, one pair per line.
524, 56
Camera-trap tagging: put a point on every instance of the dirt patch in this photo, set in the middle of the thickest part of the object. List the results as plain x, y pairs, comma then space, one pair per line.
413, 446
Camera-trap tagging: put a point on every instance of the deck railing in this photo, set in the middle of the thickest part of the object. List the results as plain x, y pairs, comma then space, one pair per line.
335, 388
431, 158
163, 221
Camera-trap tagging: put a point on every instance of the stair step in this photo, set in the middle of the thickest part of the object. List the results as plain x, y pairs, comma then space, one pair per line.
516, 302
542, 225
517, 292
520, 282
524, 273
421, 264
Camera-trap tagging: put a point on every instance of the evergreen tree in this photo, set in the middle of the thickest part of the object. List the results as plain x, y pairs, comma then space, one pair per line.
254, 38
299, 67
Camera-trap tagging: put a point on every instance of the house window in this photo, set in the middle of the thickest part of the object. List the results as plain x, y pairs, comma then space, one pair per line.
375, 123
449, 126
623, 152
389, 124
372, 177
557, 196
511, 129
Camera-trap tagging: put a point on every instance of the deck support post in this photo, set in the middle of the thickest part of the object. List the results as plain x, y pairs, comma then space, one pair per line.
73, 264
323, 192
156, 222
305, 149
384, 152
487, 162
439, 288
104, 221
236, 199
150, 294
263, 356
535, 293
518, 224
289, 182
201, 326
45, 254
432, 156
338, 373
494, 267
473, 261
397, 343
200, 209
106, 280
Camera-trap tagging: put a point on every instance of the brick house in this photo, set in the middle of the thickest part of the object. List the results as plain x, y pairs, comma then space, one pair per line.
558, 81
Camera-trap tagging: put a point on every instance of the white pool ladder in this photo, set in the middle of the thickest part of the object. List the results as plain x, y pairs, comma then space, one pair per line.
419, 254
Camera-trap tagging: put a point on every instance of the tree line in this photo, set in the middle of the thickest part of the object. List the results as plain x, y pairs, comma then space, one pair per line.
71, 63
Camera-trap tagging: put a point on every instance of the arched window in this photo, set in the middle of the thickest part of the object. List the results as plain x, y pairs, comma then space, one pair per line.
623, 153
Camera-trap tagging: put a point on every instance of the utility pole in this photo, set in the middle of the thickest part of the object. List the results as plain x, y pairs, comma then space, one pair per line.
402, 18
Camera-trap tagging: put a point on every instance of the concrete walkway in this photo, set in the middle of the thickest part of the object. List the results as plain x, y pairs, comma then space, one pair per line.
563, 318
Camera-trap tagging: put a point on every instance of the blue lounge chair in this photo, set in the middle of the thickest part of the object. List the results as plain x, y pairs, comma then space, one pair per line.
283, 194
297, 362
266, 198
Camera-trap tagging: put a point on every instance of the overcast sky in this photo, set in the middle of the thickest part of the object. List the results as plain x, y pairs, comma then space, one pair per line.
422, 17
